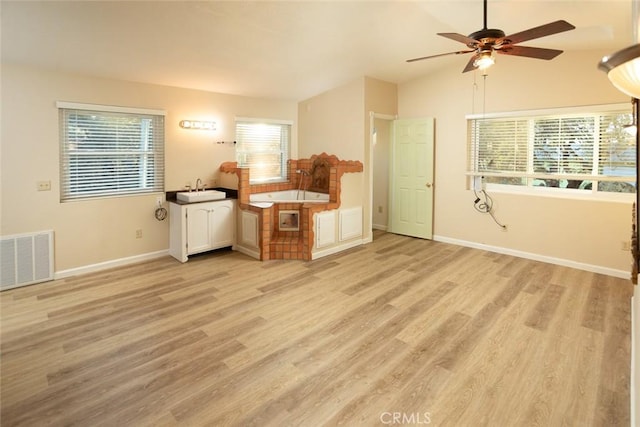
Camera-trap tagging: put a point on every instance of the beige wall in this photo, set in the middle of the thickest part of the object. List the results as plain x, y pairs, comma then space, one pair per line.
98, 231
332, 122
381, 98
338, 122
580, 231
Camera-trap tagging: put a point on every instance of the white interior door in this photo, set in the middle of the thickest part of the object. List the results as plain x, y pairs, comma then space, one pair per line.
411, 178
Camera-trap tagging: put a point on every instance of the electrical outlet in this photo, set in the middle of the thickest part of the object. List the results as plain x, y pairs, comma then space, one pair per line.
379, 209
625, 245
139, 234
44, 185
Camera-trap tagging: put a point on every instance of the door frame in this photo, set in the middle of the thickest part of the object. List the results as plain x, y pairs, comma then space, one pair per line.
372, 117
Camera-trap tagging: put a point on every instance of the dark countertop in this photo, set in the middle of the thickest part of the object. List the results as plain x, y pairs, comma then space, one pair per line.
171, 196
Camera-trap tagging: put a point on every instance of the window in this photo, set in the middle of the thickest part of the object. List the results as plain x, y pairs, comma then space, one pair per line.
588, 150
263, 146
110, 151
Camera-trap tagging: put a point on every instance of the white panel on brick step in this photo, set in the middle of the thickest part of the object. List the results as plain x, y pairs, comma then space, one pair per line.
325, 228
249, 229
350, 223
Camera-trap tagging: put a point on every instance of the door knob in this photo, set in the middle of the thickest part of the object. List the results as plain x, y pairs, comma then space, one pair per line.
428, 184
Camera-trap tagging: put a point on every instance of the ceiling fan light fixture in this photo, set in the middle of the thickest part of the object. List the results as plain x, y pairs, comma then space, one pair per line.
485, 60
623, 70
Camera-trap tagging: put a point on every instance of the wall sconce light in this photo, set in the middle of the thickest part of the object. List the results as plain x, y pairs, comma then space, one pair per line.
623, 70
197, 124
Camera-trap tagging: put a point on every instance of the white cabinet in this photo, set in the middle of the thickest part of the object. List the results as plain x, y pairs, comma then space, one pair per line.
248, 237
200, 227
325, 228
250, 229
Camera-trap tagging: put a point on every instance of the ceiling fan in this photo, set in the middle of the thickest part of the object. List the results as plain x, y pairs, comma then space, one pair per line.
487, 42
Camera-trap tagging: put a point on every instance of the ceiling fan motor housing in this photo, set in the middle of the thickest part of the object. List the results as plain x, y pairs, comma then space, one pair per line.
486, 35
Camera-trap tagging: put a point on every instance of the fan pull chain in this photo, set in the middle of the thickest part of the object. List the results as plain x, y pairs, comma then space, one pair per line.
484, 95
474, 88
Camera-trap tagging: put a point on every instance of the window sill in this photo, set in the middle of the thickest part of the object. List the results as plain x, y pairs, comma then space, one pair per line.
562, 193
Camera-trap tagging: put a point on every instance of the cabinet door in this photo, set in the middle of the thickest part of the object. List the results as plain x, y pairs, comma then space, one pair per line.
222, 224
325, 229
250, 229
198, 228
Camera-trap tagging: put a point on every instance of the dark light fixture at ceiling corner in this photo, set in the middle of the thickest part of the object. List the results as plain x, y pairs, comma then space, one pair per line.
623, 70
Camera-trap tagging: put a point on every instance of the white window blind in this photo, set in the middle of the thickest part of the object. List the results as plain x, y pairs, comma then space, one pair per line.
588, 150
110, 153
263, 147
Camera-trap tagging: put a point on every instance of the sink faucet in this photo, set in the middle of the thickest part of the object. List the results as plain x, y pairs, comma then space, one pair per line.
198, 184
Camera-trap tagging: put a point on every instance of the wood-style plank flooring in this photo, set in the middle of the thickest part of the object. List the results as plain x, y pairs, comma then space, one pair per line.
398, 332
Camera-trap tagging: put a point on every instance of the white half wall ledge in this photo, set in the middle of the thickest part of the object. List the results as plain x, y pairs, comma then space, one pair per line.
622, 274
92, 268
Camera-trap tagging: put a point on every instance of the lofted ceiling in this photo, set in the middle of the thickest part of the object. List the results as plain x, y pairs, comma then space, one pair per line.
281, 49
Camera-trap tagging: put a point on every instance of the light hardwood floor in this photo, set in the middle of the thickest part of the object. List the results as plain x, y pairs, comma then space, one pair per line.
400, 331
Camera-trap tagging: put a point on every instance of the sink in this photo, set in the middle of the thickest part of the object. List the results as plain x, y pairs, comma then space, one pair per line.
200, 196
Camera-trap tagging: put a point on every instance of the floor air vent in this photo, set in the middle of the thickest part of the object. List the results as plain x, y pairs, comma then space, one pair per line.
26, 259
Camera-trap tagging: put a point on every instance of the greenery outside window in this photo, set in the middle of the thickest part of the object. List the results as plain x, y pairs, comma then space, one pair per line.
263, 147
585, 149
110, 151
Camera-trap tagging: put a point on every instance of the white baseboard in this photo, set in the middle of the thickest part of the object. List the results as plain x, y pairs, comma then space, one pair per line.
623, 274
335, 249
253, 253
379, 227
109, 264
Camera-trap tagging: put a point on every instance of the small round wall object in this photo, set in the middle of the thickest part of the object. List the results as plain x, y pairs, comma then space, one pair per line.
161, 213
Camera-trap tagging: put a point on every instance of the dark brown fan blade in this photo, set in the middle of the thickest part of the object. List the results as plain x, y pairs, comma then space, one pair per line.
537, 32
440, 54
460, 38
470, 65
530, 52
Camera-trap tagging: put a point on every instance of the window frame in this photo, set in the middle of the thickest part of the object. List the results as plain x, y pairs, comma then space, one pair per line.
473, 172
284, 151
156, 152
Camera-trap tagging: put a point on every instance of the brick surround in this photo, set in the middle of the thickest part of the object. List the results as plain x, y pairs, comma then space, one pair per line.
281, 244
